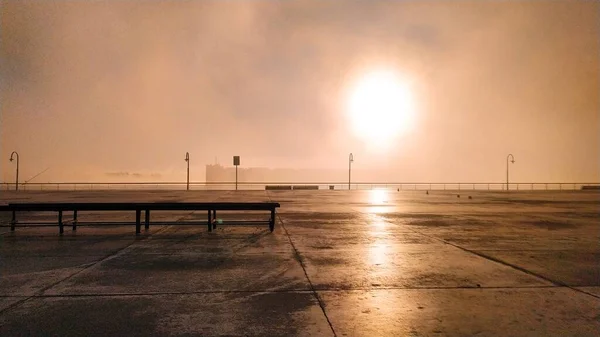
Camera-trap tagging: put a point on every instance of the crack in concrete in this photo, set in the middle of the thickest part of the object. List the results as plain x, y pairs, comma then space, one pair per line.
266, 291
556, 283
90, 265
301, 261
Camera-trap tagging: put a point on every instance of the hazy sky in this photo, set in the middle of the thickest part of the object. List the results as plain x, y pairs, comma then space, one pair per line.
106, 86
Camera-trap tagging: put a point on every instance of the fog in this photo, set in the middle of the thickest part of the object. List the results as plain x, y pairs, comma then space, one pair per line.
91, 90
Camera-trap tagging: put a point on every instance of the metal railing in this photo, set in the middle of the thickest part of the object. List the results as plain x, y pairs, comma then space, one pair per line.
147, 186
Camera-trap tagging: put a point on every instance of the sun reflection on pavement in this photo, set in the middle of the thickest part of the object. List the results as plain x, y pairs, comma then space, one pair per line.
378, 197
379, 235
378, 200
377, 254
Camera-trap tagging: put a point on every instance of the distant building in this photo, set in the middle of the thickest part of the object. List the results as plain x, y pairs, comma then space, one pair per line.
218, 173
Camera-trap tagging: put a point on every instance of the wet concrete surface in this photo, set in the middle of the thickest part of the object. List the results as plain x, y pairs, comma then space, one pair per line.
340, 263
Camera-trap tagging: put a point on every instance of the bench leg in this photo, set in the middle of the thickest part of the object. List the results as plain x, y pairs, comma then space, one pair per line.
75, 220
214, 219
13, 222
209, 222
272, 221
147, 219
137, 221
61, 227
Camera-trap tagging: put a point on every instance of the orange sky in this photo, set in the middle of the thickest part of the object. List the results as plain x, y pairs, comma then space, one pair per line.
91, 88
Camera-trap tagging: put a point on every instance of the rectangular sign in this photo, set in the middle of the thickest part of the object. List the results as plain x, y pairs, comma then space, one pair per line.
236, 160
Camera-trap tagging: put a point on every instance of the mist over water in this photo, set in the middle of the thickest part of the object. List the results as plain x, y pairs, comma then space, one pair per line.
121, 90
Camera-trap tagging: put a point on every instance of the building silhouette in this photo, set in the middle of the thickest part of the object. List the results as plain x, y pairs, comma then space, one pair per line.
218, 173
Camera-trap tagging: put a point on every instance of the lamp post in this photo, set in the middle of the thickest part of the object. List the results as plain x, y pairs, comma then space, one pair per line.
187, 159
17, 179
350, 160
512, 161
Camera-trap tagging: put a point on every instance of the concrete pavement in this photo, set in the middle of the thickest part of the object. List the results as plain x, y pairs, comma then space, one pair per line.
340, 263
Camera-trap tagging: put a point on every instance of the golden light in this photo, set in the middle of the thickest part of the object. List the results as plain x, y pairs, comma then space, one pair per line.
378, 200
380, 107
377, 253
378, 197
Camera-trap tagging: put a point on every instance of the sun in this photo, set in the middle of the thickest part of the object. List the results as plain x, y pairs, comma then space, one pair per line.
380, 107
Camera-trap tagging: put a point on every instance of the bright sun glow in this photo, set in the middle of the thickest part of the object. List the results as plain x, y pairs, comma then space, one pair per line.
378, 197
380, 107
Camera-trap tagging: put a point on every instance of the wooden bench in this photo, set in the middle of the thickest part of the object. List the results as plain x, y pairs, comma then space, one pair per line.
210, 207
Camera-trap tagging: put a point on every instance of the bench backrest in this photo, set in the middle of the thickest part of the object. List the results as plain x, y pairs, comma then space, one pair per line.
118, 206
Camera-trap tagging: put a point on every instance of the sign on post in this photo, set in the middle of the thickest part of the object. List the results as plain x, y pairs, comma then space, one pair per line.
236, 163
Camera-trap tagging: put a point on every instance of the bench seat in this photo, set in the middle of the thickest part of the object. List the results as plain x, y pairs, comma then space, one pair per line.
147, 207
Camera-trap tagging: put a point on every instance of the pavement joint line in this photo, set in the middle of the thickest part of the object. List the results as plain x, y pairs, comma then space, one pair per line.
87, 266
50, 256
301, 261
485, 256
183, 217
585, 292
502, 262
291, 291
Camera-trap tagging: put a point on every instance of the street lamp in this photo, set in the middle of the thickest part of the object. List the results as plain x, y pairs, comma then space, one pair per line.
187, 159
512, 161
17, 179
350, 160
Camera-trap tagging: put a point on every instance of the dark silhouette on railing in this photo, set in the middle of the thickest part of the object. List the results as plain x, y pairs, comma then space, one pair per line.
187, 159
350, 160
